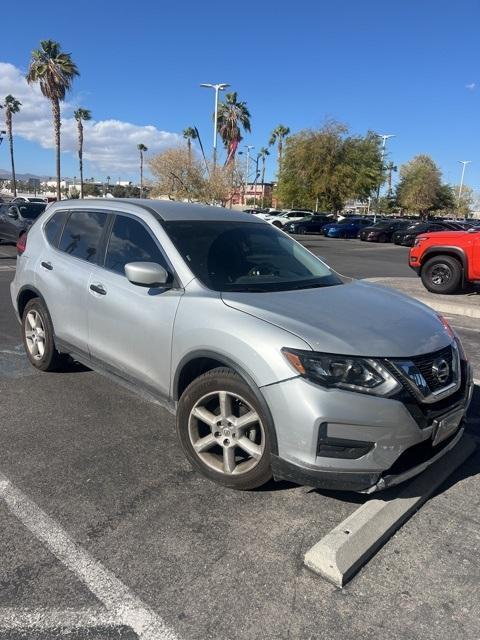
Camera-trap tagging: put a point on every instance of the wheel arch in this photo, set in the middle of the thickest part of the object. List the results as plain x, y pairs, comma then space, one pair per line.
446, 250
199, 362
27, 293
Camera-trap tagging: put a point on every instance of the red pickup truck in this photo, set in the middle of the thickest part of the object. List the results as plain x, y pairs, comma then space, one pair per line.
447, 260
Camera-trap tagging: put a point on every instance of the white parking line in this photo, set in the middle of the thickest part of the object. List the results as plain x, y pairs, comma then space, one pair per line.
66, 619
124, 607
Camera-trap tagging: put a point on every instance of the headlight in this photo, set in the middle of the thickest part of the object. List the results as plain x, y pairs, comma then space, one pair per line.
364, 375
418, 241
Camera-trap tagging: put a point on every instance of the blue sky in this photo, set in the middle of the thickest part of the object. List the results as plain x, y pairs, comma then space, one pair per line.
410, 68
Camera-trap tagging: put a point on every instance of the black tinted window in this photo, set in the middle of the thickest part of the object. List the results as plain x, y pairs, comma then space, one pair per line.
54, 226
31, 210
130, 242
81, 235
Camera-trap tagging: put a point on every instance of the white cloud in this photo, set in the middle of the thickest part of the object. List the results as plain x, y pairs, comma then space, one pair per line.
109, 145
471, 86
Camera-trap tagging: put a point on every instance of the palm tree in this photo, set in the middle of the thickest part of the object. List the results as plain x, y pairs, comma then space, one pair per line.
232, 115
55, 72
189, 134
11, 106
262, 154
278, 134
81, 116
142, 148
390, 168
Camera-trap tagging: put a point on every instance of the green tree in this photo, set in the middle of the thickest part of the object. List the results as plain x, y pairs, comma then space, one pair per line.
277, 136
464, 202
233, 116
142, 149
91, 189
11, 106
326, 167
55, 71
189, 134
81, 115
420, 189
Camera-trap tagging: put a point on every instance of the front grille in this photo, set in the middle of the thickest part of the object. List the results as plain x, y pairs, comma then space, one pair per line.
425, 365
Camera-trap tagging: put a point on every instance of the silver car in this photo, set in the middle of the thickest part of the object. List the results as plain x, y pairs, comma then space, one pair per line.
274, 364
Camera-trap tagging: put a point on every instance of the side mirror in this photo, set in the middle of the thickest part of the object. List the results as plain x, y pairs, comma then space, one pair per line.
147, 274
13, 213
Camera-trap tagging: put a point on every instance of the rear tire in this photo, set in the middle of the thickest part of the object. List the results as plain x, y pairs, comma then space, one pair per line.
38, 337
210, 430
442, 274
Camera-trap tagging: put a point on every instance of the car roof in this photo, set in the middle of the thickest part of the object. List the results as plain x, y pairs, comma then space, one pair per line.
162, 210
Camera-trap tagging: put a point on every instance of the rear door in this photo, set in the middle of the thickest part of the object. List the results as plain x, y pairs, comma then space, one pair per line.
130, 326
9, 226
73, 244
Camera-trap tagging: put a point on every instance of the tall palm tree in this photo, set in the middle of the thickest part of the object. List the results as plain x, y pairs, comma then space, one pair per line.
262, 154
232, 116
390, 168
81, 116
11, 106
189, 134
142, 148
55, 72
277, 136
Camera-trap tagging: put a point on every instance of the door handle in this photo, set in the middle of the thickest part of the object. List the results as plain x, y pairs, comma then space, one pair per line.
47, 265
98, 288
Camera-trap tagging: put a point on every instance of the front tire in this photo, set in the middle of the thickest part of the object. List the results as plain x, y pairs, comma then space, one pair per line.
223, 430
442, 274
38, 337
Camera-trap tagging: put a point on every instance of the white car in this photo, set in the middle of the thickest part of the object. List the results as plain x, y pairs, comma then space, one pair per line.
282, 219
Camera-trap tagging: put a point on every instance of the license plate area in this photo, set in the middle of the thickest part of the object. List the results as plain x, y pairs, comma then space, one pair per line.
446, 426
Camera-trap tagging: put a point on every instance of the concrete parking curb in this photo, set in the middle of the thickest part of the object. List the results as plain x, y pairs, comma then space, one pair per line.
341, 553
453, 305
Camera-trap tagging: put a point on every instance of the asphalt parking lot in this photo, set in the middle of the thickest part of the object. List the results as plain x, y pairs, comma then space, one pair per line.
114, 536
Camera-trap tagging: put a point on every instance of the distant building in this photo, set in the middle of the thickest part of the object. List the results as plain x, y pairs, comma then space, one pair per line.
252, 192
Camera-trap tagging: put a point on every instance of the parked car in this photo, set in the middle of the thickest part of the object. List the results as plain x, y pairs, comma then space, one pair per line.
273, 363
282, 219
346, 228
447, 260
29, 199
311, 224
381, 231
406, 236
16, 218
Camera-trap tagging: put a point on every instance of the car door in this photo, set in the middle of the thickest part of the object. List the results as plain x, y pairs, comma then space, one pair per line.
9, 224
130, 326
65, 262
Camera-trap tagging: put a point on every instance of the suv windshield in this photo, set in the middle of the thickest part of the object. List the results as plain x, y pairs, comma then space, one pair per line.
243, 256
31, 210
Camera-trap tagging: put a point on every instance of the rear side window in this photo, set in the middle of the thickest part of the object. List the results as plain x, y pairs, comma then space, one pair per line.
131, 242
82, 233
54, 227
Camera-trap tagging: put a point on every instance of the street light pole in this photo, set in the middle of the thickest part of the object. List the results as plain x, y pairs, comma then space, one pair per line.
217, 87
464, 164
384, 138
247, 147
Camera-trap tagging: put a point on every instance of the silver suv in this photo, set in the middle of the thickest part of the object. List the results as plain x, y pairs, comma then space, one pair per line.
274, 364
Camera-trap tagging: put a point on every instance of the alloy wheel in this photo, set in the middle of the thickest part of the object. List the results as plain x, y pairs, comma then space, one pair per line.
440, 274
35, 334
226, 433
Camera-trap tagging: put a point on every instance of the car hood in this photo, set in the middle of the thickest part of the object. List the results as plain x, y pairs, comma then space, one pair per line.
356, 318
450, 236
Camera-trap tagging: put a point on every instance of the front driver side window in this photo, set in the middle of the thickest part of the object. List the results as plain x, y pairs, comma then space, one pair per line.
131, 242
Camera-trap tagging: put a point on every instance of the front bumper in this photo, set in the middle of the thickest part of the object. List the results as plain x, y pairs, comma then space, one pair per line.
401, 434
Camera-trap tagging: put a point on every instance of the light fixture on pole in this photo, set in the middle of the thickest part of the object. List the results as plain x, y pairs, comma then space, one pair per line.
384, 137
221, 86
464, 164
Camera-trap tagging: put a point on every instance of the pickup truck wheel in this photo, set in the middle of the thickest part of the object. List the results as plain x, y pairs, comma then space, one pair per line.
223, 430
442, 274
